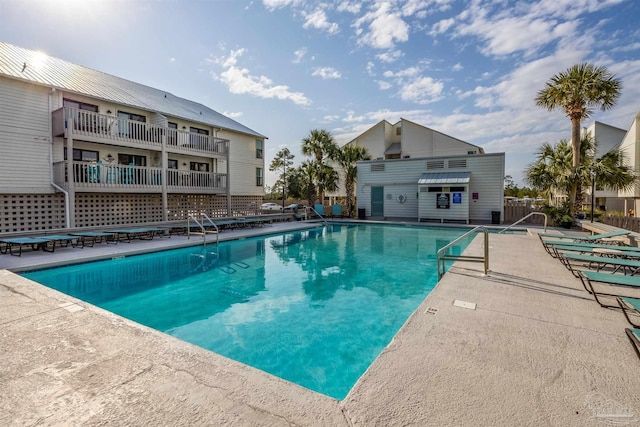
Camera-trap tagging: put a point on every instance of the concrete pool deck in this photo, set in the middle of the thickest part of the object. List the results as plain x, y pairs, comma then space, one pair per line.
537, 350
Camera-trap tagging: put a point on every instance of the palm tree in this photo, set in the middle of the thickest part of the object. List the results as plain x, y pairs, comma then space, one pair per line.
577, 91
553, 169
347, 158
282, 161
301, 182
321, 146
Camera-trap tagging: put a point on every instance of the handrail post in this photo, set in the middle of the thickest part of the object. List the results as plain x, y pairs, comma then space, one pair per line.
442, 256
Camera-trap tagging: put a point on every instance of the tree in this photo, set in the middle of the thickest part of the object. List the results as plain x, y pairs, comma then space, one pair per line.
553, 168
281, 162
301, 182
321, 146
347, 158
577, 91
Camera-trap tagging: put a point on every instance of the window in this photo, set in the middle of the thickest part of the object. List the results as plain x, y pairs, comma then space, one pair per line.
127, 159
128, 127
132, 116
259, 177
198, 138
435, 189
79, 105
82, 155
172, 137
200, 167
398, 131
172, 164
457, 189
259, 147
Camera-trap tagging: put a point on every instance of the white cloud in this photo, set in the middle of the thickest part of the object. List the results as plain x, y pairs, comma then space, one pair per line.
326, 73
390, 56
423, 90
277, 4
382, 85
351, 7
240, 81
233, 115
457, 67
386, 27
318, 19
442, 26
299, 54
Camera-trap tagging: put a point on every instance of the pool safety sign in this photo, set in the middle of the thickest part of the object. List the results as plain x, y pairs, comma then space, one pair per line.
457, 198
443, 200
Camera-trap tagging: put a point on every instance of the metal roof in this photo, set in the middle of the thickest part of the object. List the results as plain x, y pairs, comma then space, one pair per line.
394, 148
36, 67
445, 178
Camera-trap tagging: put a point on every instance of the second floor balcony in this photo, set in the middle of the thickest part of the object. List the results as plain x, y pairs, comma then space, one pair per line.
104, 177
108, 129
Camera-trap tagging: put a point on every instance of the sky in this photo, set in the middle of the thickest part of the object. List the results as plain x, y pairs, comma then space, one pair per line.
470, 69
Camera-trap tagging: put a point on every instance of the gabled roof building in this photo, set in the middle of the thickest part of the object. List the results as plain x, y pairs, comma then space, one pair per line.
84, 148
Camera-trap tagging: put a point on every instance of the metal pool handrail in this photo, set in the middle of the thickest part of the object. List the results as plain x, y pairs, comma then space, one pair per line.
443, 257
326, 224
204, 231
525, 217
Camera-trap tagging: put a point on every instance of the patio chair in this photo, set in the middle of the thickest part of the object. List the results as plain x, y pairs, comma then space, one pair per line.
597, 263
319, 209
8, 245
613, 281
591, 238
634, 337
629, 305
336, 210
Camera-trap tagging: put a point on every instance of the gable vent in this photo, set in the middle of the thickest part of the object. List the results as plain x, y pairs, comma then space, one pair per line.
435, 164
458, 163
377, 167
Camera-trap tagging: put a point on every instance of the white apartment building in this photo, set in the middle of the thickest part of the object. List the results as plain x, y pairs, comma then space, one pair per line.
81, 148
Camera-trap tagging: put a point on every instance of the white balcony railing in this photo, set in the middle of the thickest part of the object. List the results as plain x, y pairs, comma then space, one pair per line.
93, 176
115, 129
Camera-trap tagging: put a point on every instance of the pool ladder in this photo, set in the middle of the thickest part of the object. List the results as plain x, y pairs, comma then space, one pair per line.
443, 257
203, 230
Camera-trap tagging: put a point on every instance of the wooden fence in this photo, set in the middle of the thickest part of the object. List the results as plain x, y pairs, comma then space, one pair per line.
513, 211
626, 222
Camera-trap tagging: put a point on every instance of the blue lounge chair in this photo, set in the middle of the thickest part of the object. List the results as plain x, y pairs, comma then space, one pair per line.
8, 245
336, 210
634, 337
613, 281
319, 209
630, 266
629, 305
94, 237
592, 238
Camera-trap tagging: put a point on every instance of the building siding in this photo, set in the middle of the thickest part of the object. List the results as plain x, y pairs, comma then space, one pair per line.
24, 138
400, 177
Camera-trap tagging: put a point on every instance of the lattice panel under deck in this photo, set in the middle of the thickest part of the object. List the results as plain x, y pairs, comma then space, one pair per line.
96, 209
181, 205
27, 212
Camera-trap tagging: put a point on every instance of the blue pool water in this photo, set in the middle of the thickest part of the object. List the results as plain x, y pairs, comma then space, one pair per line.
314, 307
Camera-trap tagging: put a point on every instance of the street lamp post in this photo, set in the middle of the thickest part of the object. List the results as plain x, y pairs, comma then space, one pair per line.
593, 191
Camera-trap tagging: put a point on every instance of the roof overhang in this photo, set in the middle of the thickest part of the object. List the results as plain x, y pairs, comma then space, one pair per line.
444, 178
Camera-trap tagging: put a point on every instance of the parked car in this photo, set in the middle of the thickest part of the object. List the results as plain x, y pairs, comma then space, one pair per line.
270, 206
294, 207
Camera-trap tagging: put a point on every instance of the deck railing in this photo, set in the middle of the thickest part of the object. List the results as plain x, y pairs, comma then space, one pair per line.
116, 129
91, 175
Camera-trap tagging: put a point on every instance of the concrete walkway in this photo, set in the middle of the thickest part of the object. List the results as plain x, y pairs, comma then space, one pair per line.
537, 350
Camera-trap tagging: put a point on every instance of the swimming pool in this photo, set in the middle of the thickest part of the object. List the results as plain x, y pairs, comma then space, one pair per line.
314, 307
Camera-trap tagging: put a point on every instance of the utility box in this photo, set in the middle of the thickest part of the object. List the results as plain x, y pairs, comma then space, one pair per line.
362, 213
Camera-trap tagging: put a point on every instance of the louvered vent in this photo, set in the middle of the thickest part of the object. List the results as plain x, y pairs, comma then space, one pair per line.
377, 167
435, 164
458, 163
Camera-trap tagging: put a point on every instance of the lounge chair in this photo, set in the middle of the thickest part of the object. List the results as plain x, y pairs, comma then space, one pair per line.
319, 209
63, 240
8, 245
591, 238
634, 337
336, 210
613, 281
628, 266
553, 246
129, 234
629, 305
94, 237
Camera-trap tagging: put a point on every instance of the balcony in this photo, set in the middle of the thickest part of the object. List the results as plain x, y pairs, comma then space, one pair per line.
106, 129
103, 177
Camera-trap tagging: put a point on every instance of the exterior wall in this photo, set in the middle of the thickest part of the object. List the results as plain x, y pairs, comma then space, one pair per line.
401, 177
630, 146
373, 140
420, 141
243, 164
606, 136
25, 166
